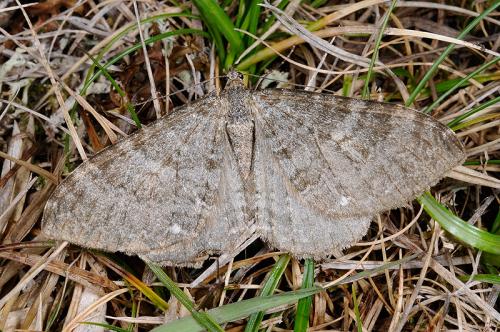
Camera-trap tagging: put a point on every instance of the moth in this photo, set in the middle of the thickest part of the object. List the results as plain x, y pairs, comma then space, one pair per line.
306, 171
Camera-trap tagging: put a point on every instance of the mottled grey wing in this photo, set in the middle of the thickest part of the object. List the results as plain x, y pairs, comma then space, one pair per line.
170, 193
326, 165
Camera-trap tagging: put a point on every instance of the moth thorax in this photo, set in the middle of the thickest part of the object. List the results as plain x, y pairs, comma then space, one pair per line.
241, 134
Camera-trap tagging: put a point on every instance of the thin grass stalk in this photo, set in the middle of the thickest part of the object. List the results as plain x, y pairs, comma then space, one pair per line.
122, 34
447, 51
134, 48
116, 86
365, 94
357, 315
480, 69
481, 107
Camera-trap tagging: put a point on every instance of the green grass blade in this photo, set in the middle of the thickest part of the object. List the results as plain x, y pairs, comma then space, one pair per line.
239, 310
201, 317
125, 272
123, 33
346, 85
357, 315
116, 86
365, 94
464, 116
134, 48
304, 306
270, 285
242, 309
495, 228
469, 234
318, 3
489, 278
473, 121
240, 16
250, 24
447, 51
460, 83
487, 162
490, 261
217, 39
445, 85
133, 309
218, 20
251, 21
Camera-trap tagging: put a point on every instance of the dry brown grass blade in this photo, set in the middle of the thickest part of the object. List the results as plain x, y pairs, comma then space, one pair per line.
222, 261
152, 83
416, 290
485, 148
368, 265
81, 317
34, 168
81, 276
32, 273
16, 201
83, 297
105, 123
291, 42
338, 52
464, 289
35, 313
18, 230
26, 156
468, 175
53, 80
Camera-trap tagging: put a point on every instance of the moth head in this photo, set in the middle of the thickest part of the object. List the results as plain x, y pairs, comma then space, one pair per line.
234, 80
